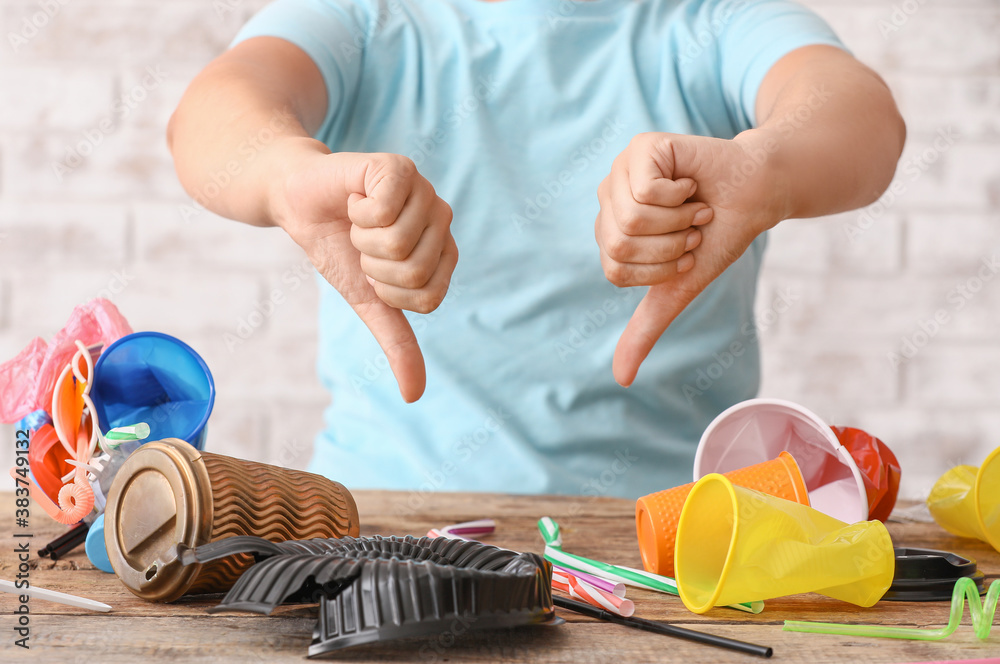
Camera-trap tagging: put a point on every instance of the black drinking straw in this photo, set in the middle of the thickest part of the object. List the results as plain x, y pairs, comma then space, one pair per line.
66, 542
663, 628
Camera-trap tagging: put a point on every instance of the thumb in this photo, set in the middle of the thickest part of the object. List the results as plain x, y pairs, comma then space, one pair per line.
394, 335
657, 310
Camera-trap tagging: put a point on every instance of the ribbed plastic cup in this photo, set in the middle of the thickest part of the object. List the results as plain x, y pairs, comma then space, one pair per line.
738, 545
168, 493
965, 501
656, 515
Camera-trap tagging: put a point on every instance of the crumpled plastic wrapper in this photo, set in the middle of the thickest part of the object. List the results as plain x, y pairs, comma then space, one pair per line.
879, 469
26, 381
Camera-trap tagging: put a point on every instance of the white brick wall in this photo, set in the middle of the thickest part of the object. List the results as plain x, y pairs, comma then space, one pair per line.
861, 297
864, 281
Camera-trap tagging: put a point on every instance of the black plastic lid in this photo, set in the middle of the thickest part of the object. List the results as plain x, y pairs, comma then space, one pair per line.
927, 575
931, 564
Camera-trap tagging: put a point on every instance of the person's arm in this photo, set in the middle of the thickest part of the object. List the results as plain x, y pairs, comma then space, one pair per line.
828, 139
370, 223
262, 97
833, 130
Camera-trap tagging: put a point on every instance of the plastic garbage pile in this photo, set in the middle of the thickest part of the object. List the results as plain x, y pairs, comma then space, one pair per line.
781, 504
88, 398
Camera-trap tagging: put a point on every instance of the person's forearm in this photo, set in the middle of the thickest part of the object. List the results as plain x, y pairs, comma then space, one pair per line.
233, 122
832, 139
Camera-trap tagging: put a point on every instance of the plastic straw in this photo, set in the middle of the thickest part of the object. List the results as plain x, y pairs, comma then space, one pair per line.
568, 583
591, 595
664, 629
470, 529
982, 618
120, 435
617, 589
66, 542
611, 572
632, 577
53, 596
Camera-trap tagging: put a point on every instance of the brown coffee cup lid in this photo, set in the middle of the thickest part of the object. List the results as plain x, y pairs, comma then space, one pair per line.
161, 497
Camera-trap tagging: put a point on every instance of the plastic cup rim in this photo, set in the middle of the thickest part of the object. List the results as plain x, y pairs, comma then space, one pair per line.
788, 461
728, 563
991, 539
836, 448
642, 516
172, 339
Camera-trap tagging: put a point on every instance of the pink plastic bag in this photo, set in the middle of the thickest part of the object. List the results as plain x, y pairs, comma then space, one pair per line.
26, 382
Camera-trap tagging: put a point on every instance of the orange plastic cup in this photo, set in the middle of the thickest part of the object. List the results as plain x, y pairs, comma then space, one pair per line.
656, 515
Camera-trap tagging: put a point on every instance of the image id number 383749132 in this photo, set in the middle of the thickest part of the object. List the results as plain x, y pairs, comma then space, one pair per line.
22, 537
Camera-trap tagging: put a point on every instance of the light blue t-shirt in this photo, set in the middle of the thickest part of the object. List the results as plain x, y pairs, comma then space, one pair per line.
514, 111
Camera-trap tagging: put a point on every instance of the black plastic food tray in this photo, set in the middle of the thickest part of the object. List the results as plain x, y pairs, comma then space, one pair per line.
381, 588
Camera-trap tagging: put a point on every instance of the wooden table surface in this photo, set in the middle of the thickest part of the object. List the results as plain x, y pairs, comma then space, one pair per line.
602, 528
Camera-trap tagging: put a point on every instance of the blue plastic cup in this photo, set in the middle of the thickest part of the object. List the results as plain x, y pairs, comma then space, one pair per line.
157, 379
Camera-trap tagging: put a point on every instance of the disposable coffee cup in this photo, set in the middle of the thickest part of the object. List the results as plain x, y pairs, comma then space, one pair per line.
169, 495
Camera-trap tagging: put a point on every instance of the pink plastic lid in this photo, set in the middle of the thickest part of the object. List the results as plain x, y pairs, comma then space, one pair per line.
759, 429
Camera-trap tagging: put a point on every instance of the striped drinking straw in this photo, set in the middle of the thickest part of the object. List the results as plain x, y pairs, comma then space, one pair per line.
549, 530
582, 590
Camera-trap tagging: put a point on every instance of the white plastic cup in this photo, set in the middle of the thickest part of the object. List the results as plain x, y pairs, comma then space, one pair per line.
757, 430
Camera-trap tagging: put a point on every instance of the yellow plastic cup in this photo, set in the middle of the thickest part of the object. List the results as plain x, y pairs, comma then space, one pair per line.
656, 515
739, 545
965, 501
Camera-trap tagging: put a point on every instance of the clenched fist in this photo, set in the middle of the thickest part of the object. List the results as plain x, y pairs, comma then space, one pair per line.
676, 211
377, 231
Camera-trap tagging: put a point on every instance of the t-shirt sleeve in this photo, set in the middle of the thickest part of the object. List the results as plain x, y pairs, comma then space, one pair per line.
331, 32
751, 36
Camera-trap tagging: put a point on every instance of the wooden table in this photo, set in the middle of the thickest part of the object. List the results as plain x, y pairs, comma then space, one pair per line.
602, 528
